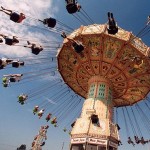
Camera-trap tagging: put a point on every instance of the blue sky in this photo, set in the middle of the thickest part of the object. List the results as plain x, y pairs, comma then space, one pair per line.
17, 123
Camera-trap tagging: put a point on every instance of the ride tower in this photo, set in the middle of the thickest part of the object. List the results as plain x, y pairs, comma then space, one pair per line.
39, 140
111, 71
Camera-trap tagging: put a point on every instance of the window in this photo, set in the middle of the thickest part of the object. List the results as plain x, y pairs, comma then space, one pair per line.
91, 147
95, 120
101, 92
77, 147
101, 148
91, 91
95, 147
112, 148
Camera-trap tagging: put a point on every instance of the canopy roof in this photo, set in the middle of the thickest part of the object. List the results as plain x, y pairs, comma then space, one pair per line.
110, 56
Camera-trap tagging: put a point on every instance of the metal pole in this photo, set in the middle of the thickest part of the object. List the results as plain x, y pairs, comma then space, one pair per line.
62, 146
107, 145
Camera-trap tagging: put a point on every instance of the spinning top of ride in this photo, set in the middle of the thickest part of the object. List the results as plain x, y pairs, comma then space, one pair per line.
123, 59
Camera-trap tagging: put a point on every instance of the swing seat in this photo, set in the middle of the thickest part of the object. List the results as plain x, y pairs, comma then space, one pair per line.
51, 22
5, 85
72, 8
14, 17
36, 51
112, 30
15, 64
65, 130
78, 47
35, 110
2, 67
39, 114
55, 125
22, 103
21, 63
20, 98
12, 79
8, 41
1, 62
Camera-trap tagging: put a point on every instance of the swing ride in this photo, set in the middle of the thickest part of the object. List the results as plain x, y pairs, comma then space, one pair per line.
113, 72
39, 140
101, 65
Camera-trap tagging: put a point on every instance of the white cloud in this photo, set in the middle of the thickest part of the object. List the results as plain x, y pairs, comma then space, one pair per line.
32, 9
50, 101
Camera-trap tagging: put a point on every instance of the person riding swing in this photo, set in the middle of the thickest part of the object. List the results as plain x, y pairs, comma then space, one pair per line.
112, 27
18, 18
77, 46
10, 41
36, 49
72, 6
50, 22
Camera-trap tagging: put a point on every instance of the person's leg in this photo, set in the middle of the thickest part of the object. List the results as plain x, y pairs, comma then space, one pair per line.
113, 20
109, 19
28, 42
1, 40
3, 36
15, 40
6, 11
113, 23
111, 14
108, 15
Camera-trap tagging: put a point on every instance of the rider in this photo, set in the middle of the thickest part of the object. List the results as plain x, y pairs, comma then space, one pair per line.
36, 49
130, 141
4, 62
5, 81
54, 120
11, 78
46, 127
15, 77
35, 109
48, 117
72, 6
77, 46
33, 143
137, 140
112, 25
143, 141
138, 62
40, 113
10, 41
64, 129
50, 22
17, 63
22, 98
18, 18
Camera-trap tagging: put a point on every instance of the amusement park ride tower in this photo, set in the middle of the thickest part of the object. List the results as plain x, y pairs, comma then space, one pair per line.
39, 140
113, 71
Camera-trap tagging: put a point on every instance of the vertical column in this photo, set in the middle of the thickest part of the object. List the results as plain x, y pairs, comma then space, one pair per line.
100, 92
94, 129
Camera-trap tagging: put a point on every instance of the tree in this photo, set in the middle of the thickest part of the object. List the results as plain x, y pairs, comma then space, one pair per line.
22, 147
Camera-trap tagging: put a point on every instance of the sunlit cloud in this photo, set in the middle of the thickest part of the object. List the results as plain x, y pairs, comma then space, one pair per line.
33, 10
